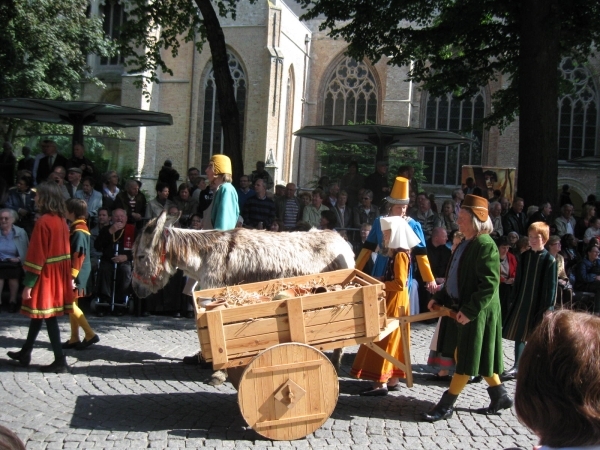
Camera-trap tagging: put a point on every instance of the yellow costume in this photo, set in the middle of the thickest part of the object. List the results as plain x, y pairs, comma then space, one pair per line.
369, 365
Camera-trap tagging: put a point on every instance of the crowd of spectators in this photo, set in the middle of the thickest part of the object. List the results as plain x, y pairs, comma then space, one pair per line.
349, 206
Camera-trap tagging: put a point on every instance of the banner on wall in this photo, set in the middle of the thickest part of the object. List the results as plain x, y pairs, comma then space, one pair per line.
484, 180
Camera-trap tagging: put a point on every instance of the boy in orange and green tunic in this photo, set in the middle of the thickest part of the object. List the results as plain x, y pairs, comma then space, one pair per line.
81, 270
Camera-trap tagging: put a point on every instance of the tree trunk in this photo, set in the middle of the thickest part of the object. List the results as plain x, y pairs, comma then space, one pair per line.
538, 96
228, 110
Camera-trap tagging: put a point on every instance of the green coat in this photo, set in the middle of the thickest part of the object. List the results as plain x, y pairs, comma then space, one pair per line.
479, 343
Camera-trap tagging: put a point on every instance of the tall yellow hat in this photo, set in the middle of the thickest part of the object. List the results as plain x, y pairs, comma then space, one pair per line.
221, 164
399, 194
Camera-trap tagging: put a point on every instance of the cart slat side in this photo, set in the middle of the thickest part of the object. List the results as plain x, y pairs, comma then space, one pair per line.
334, 316
316, 335
281, 323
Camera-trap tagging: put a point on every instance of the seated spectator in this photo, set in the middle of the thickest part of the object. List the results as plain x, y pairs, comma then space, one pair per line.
472, 188
568, 244
115, 243
21, 200
557, 392
185, 203
439, 256
457, 197
289, 208
542, 214
305, 199
80, 161
508, 272
58, 176
425, 216
276, 226
200, 185
134, 203
513, 238
495, 210
564, 289
583, 223
505, 204
92, 198
279, 191
74, 181
259, 211
448, 217
565, 223
160, 203
312, 212
110, 189
244, 191
522, 245
432, 202
328, 220
365, 229
365, 212
593, 230
262, 174
195, 222
13, 249
344, 213
515, 219
332, 195
587, 276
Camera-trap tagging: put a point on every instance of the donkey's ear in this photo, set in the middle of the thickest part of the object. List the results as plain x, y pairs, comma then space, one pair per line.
171, 219
160, 222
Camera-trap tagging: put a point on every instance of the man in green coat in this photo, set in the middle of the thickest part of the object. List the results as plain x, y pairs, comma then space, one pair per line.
471, 288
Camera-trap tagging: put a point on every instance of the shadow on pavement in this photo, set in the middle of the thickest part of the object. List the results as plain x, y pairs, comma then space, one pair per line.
207, 415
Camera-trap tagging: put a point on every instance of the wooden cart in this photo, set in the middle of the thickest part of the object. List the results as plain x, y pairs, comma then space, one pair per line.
287, 388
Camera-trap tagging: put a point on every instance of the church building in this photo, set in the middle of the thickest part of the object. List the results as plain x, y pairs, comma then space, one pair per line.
288, 74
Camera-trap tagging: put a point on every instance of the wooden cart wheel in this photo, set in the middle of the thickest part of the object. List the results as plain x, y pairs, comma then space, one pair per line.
288, 391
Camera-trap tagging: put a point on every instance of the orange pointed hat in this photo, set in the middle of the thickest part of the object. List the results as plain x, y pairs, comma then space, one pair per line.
478, 206
399, 194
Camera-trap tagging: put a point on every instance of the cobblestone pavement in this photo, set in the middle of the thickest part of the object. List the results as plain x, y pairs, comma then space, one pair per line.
132, 391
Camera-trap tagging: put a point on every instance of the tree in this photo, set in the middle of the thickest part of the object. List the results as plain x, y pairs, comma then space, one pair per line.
154, 27
460, 45
44, 47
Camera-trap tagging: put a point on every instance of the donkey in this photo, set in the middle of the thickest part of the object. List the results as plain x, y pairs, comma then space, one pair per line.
225, 258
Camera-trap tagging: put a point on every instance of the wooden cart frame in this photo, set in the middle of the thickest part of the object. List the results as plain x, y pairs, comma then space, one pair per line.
273, 350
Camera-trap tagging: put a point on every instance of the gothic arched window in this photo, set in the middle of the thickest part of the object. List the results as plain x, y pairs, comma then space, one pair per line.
577, 113
113, 14
212, 135
350, 95
449, 114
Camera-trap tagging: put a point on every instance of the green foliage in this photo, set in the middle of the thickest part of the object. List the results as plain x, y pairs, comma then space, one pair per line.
334, 160
44, 47
455, 46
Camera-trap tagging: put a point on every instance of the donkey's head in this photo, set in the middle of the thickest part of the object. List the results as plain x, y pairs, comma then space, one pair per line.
151, 266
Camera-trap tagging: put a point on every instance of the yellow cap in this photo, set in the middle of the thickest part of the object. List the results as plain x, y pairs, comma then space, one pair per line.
399, 194
221, 164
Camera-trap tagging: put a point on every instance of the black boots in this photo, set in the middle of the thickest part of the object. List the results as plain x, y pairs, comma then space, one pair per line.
58, 366
23, 356
500, 400
443, 410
